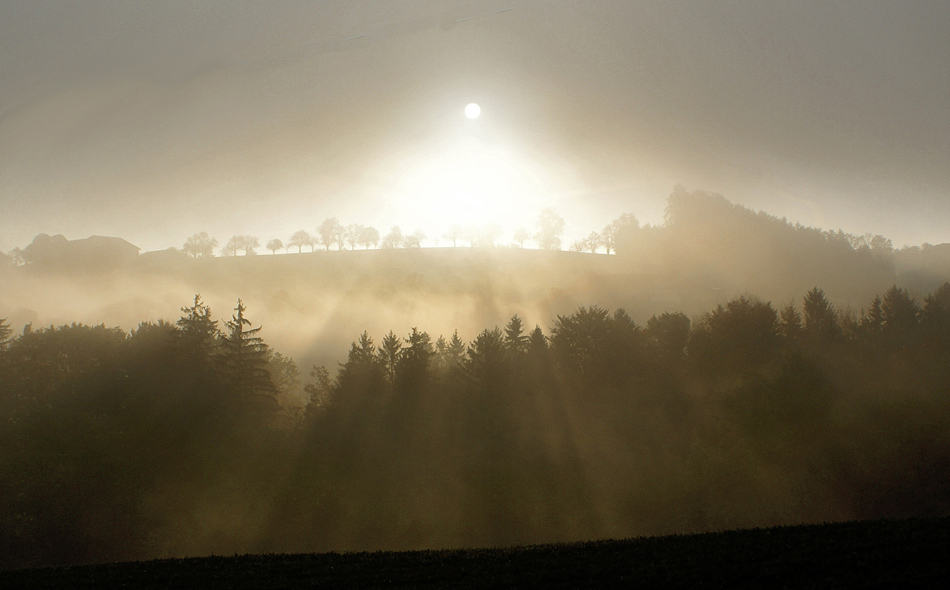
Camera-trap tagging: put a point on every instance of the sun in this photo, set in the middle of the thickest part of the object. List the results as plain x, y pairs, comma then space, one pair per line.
472, 110
470, 184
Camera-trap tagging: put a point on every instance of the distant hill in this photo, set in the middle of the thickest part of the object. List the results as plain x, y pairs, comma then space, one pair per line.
707, 252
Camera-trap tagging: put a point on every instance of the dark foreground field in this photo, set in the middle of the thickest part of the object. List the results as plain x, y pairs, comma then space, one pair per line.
884, 554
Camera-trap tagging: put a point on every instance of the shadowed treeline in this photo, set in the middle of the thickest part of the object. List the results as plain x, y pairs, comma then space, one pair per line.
180, 439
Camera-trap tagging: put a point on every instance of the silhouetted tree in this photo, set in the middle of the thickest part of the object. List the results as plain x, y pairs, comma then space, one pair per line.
741, 334
520, 235
414, 240
900, 317
486, 366
790, 324
581, 341
330, 232
197, 332
275, 245
455, 232
319, 390
388, 355
352, 234
537, 360
300, 239
487, 235
238, 243
820, 317
244, 356
550, 228
515, 339
872, 324
362, 373
449, 354
200, 245
369, 237
232, 247
625, 223
592, 242
413, 361
393, 239
16, 257
284, 373
669, 334
249, 244
439, 355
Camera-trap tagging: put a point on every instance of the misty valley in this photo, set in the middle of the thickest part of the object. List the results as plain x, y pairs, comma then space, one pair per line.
727, 369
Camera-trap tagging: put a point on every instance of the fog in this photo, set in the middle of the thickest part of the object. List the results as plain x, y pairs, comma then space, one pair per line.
688, 271
725, 369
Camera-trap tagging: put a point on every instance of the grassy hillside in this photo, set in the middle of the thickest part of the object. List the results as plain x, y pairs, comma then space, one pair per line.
877, 554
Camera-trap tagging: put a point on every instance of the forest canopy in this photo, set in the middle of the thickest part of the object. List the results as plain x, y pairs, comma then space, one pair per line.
184, 438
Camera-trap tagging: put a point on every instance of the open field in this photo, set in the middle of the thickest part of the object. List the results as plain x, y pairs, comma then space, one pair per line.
872, 554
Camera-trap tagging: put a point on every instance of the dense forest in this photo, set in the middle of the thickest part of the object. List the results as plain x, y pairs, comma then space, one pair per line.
182, 438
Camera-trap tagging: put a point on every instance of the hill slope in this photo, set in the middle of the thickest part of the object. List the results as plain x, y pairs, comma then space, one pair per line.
883, 554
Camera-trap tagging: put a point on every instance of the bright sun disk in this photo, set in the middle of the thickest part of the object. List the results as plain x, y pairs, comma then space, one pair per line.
472, 110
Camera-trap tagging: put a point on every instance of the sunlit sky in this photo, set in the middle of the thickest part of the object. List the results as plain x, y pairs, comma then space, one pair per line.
156, 120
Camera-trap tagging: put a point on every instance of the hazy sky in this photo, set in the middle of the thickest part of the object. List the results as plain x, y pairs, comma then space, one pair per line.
155, 120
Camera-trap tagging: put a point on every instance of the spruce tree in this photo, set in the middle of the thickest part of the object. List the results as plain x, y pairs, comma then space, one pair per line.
456, 349
821, 319
197, 333
388, 354
244, 356
515, 339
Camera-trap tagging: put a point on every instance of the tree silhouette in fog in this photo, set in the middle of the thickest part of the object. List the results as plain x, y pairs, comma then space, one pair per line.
900, 317
515, 339
619, 228
488, 235
741, 334
300, 239
330, 232
669, 334
447, 356
274, 245
388, 353
820, 320
243, 357
790, 324
16, 257
200, 245
239, 243
414, 240
453, 234
197, 332
550, 229
369, 236
520, 235
486, 366
352, 234
412, 365
394, 239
